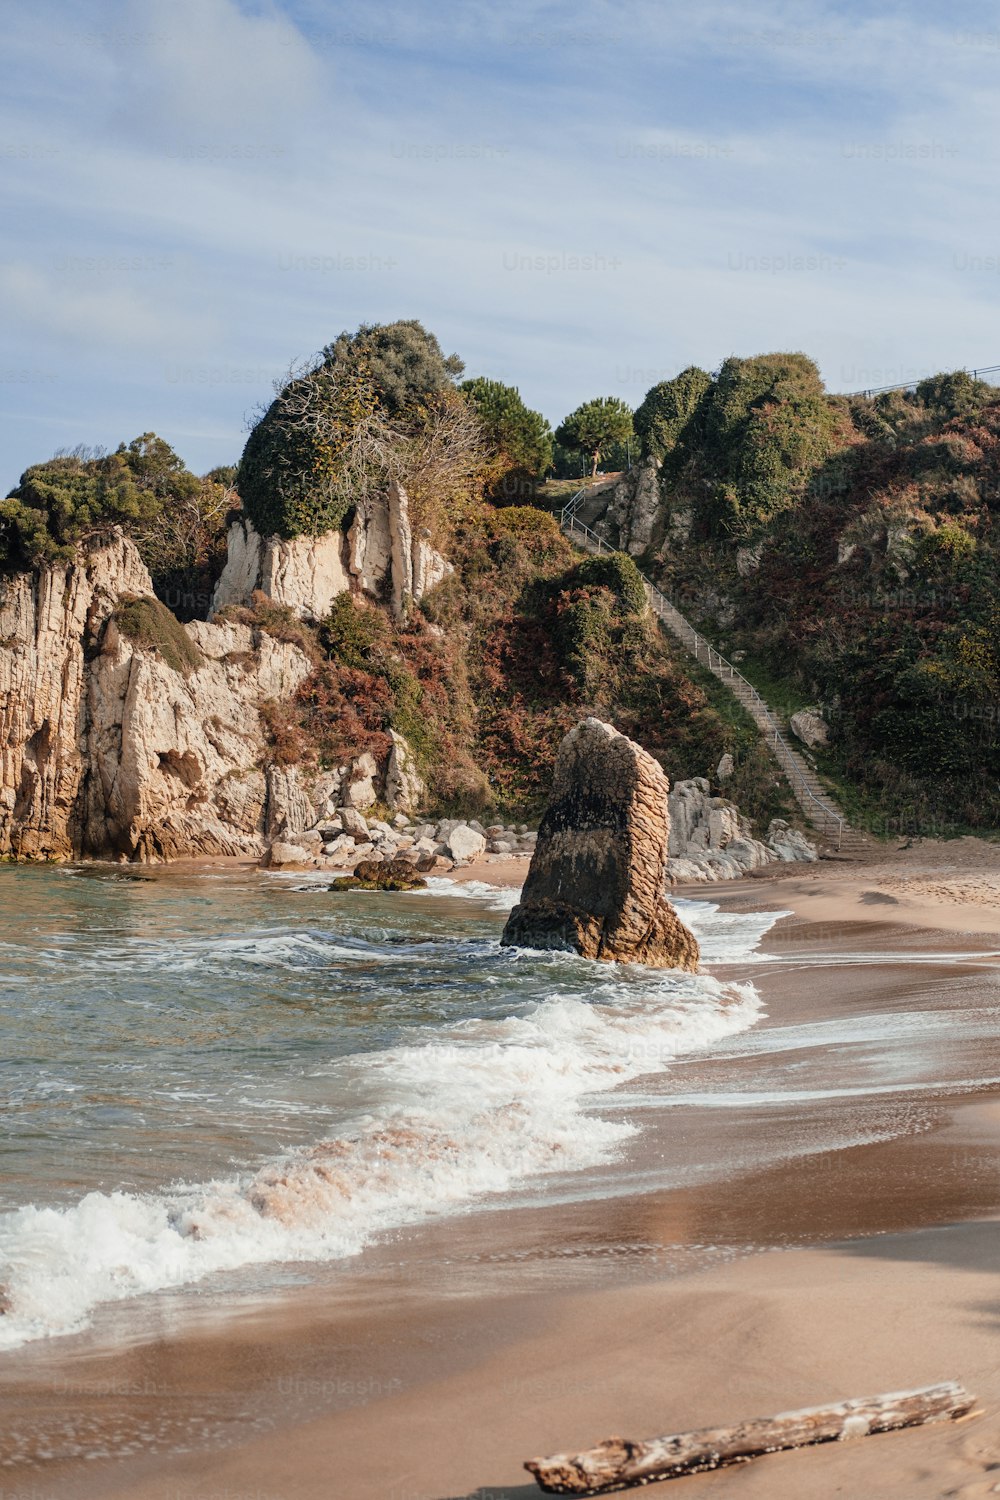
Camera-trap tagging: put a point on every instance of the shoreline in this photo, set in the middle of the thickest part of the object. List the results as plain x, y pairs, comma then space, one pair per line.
456, 1349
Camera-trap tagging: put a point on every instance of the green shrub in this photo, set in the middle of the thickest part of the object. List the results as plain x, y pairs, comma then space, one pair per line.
354, 633
617, 572
151, 626
668, 411
66, 501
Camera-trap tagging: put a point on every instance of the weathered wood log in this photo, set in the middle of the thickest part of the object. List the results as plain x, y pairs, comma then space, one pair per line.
617, 1463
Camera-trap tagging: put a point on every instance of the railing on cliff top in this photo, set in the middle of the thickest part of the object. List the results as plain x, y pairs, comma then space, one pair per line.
696, 643
909, 385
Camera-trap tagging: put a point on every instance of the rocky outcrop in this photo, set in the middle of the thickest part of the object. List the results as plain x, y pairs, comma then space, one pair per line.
306, 573
381, 554
636, 508
49, 621
748, 559
596, 882
404, 786
710, 839
384, 875
385, 556
809, 726
173, 763
109, 751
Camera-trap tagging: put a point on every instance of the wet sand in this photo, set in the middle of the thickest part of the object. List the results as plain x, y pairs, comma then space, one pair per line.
798, 1257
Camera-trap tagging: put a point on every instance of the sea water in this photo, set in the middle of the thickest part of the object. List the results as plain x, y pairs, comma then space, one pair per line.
203, 1073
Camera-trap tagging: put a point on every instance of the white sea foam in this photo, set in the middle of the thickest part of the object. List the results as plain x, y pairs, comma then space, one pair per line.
482, 1106
726, 937
493, 897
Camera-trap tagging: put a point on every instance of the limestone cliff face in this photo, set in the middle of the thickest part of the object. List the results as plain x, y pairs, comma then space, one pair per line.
49, 621
106, 750
382, 555
173, 762
596, 882
636, 508
306, 573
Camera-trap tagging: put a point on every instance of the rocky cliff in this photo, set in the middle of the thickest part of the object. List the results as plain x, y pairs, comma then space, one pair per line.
382, 553
49, 622
117, 742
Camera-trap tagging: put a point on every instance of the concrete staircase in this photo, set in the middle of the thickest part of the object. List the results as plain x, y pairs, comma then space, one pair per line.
818, 807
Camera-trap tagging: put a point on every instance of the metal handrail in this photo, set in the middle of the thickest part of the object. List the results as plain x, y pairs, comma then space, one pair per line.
908, 385
786, 757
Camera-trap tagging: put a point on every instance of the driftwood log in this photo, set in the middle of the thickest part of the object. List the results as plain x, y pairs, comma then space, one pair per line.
618, 1463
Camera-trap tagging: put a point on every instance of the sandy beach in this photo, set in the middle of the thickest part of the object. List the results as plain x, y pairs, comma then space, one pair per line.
842, 1243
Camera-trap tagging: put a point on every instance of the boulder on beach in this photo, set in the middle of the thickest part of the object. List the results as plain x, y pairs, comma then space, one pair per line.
596, 882
382, 875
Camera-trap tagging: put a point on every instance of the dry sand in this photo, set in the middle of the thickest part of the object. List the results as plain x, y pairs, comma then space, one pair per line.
432, 1368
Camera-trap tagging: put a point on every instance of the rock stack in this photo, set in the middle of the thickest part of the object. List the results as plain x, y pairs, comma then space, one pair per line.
596, 882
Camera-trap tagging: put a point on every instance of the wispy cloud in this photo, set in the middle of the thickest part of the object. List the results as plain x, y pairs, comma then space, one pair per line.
580, 198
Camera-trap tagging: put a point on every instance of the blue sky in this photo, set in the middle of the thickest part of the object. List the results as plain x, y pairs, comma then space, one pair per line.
579, 199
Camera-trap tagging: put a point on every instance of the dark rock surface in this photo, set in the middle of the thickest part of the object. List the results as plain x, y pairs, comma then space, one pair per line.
596, 882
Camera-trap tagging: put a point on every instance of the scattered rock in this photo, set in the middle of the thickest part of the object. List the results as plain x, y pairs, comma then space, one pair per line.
283, 856
381, 875
710, 839
596, 882
465, 842
788, 844
809, 726
352, 821
725, 768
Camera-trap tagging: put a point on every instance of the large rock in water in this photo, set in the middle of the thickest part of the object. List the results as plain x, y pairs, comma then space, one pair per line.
596, 882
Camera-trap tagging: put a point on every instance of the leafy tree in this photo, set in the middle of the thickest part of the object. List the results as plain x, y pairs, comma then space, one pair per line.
402, 361
520, 440
595, 426
70, 499
314, 451
669, 408
156, 468
176, 519
224, 474
567, 463
374, 406
767, 427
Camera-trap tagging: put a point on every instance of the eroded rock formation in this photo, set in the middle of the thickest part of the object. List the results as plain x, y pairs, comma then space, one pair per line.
382, 554
596, 882
306, 573
710, 839
174, 763
48, 622
109, 750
